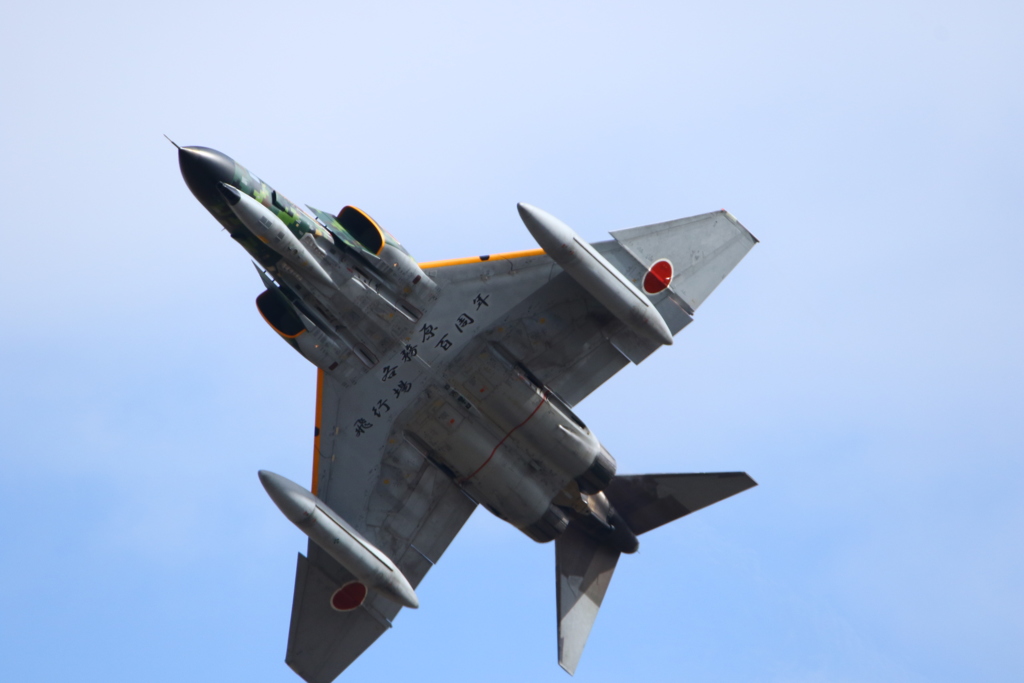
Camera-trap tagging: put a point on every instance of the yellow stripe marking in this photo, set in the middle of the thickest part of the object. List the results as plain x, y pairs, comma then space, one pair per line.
316, 430
479, 259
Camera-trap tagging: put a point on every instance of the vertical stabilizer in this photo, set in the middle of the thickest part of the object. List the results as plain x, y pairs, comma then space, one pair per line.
584, 569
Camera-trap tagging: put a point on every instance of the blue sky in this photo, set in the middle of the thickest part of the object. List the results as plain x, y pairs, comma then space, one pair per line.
863, 363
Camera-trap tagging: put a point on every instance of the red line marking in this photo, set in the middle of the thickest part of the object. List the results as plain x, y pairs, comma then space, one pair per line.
543, 398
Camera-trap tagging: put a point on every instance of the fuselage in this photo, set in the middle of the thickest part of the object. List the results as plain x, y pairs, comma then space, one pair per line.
346, 295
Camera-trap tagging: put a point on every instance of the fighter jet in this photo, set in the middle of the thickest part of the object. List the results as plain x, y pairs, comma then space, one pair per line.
446, 385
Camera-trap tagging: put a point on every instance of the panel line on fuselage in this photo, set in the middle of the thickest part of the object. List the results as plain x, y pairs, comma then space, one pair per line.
316, 431
543, 400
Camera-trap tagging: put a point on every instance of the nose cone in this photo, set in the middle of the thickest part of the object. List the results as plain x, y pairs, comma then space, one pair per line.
295, 502
204, 170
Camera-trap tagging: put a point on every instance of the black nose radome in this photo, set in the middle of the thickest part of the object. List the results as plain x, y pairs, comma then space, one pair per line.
204, 170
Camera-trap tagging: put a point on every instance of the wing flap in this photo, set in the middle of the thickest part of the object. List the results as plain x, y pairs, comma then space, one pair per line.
596, 363
415, 511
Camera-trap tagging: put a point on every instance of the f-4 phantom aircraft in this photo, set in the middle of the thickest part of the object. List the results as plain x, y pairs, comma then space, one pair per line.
446, 385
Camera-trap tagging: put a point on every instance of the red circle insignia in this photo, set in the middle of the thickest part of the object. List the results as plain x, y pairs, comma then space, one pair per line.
349, 596
658, 277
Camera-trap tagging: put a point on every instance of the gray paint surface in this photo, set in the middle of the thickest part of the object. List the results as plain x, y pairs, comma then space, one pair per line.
451, 386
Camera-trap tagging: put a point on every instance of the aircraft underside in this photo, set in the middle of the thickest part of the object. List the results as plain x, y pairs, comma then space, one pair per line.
451, 384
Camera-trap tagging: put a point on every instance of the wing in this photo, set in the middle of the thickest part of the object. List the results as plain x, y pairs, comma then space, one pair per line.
564, 336
403, 504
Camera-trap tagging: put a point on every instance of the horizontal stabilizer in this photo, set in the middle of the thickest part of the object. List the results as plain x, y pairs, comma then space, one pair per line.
584, 569
646, 501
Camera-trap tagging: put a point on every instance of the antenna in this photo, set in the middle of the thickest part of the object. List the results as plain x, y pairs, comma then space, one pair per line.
172, 142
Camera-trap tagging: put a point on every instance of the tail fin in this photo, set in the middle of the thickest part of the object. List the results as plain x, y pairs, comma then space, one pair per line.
646, 501
584, 567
